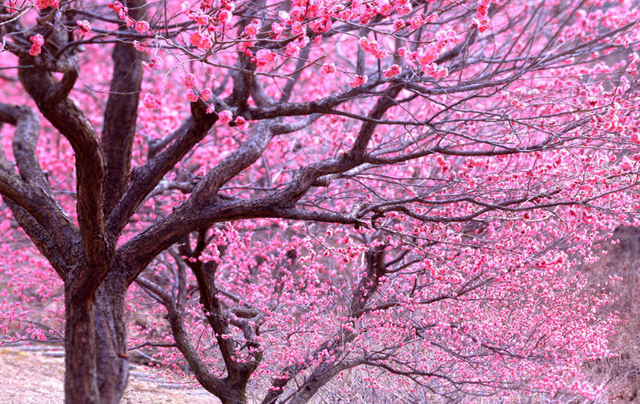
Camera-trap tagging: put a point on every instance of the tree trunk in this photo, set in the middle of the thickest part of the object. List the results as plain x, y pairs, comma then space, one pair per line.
112, 362
234, 396
80, 385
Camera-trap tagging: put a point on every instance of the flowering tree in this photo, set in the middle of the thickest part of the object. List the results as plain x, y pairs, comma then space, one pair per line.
465, 154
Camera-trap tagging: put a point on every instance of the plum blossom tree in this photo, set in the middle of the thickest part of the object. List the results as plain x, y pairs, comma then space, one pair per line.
310, 188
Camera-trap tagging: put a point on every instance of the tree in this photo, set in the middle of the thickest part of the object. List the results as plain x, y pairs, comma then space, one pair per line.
475, 149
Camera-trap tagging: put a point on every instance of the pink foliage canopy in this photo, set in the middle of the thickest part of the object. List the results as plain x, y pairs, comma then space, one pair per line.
441, 262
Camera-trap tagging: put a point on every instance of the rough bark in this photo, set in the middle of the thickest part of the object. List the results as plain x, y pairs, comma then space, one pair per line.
112, 362
80, 385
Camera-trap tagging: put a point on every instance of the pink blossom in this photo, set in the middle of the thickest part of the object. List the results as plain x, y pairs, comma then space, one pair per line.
427, 54
404, 9
481, 23
240, 121
292, 49
296, 28
156, 63
150, 101
358, 81
42, 4
321, 25
302, 41
142, 27
435, 71
84, 25
385, 8
264, 57
116, 6
140, 46
224, 117
191, 96
36, 44
284, 16
206, 43
206, 94
277, 29
251, 30
189, 80
202, 19
392, 71
37, 40
225, 16
195, 38
416, 22
398, 25
329, 68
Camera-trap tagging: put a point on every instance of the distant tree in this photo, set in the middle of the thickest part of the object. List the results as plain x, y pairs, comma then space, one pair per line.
400, 187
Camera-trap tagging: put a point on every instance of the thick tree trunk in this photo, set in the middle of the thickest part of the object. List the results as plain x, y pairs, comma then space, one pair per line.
80, 385
234, 396
112, 362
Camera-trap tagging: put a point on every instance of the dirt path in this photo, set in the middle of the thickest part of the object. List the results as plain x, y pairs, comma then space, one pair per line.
28, 377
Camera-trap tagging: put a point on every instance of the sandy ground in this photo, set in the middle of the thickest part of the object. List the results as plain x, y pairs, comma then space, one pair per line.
33, 378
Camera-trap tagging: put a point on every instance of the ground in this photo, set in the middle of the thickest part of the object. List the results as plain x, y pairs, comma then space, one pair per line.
32, 377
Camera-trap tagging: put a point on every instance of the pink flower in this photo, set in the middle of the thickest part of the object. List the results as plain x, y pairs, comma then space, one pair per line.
302, 41
206, 43
36, 44
482, 23
156, 63
206, 94
189, 80
240, 121
37, 40
142, 27
196, 39
202, 19
150, 101
140, 46
329, 68
225, 16
224, 117
358, 81
321, 25
42, 4
432, 18
277, 29
416, 22
435, 71
116, 6
296, 28
291, 50
264, 57
210, 109
385, 8
191, 96
85, 25
251, 30
427, 54
398, 25
284, 17
392, 71
404, 9
201, 41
